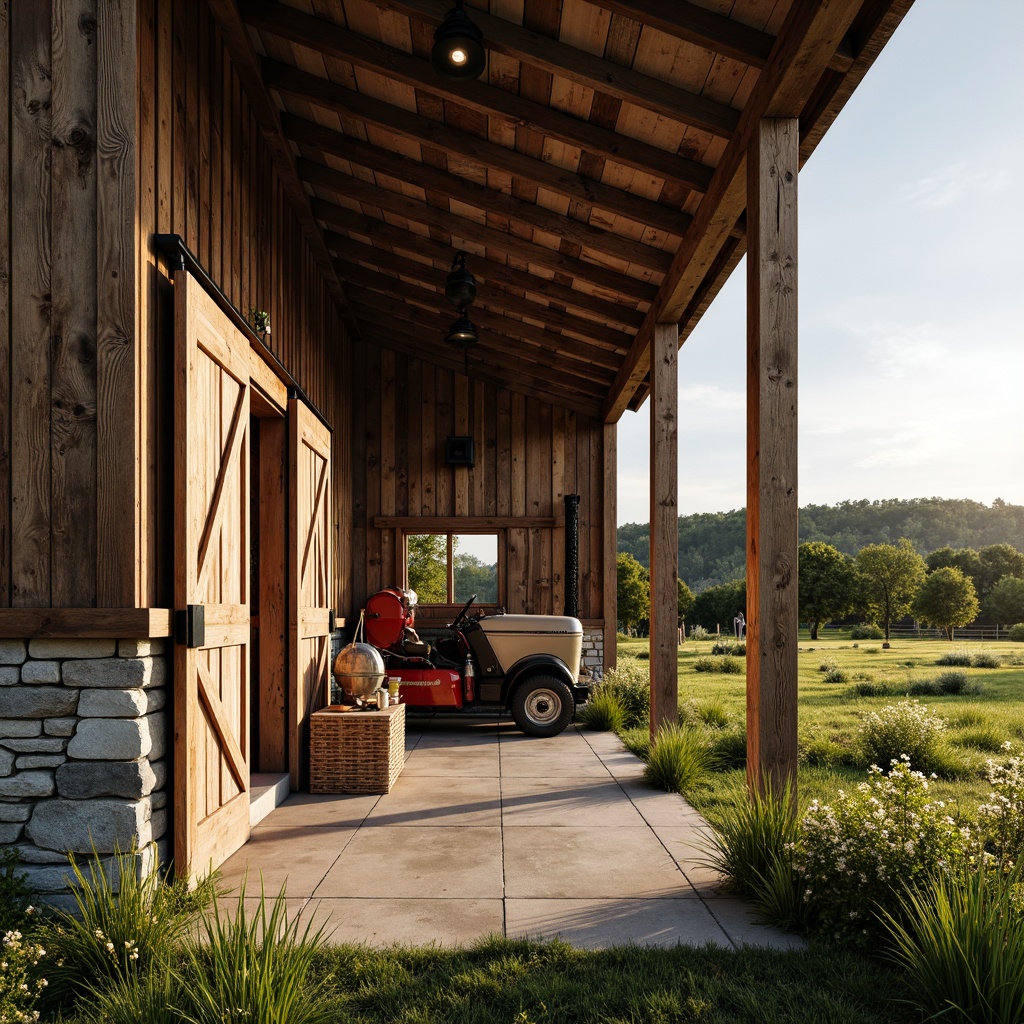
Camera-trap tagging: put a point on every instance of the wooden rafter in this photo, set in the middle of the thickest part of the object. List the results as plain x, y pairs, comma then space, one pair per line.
361, 258
583, 68
491, 201
320, 35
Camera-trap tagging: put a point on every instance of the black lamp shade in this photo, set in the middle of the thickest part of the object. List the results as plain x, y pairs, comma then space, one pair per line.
460, 287
462, 332
458, 46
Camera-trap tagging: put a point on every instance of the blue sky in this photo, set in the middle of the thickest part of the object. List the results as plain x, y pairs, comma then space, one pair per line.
911, 290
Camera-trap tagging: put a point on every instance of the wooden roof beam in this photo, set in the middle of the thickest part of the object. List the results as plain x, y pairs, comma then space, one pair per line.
384, 237
706, 29
465, 229
428, 331
810, 35
552, 346
398, 341
716, 33
502, 205
366, 257
584, 68
453, 142
326, 37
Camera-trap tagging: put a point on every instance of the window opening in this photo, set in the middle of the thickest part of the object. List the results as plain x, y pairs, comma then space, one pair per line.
447, 568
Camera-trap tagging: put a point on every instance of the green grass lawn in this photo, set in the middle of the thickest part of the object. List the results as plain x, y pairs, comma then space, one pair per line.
830, 712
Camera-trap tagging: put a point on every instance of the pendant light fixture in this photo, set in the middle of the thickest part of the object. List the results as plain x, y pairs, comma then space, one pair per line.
460, 291
459, 51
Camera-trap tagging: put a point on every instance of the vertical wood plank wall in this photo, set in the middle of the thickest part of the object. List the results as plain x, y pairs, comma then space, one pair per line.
205, 173
119, 121
529, 455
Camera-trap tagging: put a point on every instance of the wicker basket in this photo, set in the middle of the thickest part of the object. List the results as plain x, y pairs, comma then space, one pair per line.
356, 751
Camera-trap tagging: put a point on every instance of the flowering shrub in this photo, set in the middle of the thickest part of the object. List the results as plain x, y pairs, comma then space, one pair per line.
629, 684
1002, 818
905, 729
858, 855
19, 989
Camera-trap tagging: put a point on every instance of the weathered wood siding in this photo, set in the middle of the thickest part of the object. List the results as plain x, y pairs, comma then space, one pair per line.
205, 173
529, 455
116, 123
67, 279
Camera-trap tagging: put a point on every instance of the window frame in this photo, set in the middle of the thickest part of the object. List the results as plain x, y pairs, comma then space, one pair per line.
429, 607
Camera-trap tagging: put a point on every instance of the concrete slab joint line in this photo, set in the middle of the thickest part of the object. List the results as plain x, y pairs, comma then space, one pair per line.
470, 854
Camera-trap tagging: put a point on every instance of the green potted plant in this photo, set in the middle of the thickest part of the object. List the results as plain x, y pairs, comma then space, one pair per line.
260, 322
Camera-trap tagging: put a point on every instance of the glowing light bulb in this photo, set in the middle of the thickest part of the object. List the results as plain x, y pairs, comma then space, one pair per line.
458, 56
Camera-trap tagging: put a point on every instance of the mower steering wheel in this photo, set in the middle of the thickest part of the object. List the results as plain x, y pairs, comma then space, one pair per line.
465, 608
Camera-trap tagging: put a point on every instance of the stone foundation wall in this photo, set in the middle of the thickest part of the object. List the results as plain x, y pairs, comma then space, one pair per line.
83, 746
593, 650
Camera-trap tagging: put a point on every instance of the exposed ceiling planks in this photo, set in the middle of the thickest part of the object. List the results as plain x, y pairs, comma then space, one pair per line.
593, 174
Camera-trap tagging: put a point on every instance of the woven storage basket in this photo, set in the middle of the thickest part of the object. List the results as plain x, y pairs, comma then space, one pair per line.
356, 751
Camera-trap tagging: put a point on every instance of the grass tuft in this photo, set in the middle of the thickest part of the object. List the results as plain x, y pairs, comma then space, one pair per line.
603, 711
679, 759
963, 950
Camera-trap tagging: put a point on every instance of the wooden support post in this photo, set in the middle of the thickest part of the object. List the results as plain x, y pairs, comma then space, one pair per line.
772, 164
664, 525
610, 546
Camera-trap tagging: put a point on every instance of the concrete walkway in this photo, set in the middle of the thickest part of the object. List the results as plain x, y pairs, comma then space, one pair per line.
488, 831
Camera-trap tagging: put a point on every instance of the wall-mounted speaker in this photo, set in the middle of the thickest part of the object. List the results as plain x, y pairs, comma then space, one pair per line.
459, 451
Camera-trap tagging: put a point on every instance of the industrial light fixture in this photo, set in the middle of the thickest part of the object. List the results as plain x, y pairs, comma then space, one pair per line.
460, 291
458, 51
462, 332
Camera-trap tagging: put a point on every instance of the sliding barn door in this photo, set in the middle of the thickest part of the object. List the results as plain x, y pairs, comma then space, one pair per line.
211, 585
310, 495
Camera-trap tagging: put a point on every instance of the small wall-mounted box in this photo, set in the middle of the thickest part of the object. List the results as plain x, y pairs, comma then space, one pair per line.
459, 451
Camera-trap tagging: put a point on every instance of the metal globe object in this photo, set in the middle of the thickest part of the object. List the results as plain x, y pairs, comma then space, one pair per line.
359, 670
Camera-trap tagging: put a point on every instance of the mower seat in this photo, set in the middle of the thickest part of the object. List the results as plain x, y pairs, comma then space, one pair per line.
412, 646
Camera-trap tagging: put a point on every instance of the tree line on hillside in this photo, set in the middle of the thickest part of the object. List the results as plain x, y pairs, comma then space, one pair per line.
881, 585
712, 545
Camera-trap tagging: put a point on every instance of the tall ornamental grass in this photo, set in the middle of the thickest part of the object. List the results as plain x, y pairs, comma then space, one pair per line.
679, 759
959, 937
752, 844
254, 967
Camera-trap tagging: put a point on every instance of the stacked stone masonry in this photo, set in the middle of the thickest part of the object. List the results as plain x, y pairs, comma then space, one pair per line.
83, 747
593, 651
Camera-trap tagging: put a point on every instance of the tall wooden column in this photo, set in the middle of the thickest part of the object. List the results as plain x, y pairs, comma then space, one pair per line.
664, 526
610, 546
772, 165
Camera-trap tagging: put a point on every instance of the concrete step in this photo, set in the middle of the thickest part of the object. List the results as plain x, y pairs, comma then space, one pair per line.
266, 791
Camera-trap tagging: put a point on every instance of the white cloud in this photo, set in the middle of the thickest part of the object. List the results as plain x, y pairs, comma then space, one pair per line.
947, 185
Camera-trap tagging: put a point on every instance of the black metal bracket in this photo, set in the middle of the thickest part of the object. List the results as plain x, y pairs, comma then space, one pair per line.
332, 620
190, 626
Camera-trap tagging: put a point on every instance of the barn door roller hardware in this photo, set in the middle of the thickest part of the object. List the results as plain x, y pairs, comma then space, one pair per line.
190, 626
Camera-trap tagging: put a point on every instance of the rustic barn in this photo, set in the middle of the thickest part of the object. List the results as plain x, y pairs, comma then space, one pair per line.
190, 510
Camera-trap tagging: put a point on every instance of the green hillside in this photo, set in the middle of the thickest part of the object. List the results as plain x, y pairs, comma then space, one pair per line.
712, 544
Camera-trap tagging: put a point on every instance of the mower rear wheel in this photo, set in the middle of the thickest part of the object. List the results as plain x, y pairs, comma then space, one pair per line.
542, 706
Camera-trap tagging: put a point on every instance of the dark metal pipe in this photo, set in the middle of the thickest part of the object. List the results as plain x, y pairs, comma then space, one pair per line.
572, 555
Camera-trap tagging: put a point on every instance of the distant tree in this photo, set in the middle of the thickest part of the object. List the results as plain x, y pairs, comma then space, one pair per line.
967, 560
1006, 602
947, 599
472, 576
427, 566
718, 605
634, 591
827, 584
997, 561
889, 577
685, 600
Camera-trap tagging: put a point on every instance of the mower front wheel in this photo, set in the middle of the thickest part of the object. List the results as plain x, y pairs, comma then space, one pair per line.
542, 706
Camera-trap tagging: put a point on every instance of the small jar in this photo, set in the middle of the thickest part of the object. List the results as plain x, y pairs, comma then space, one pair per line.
382, 700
